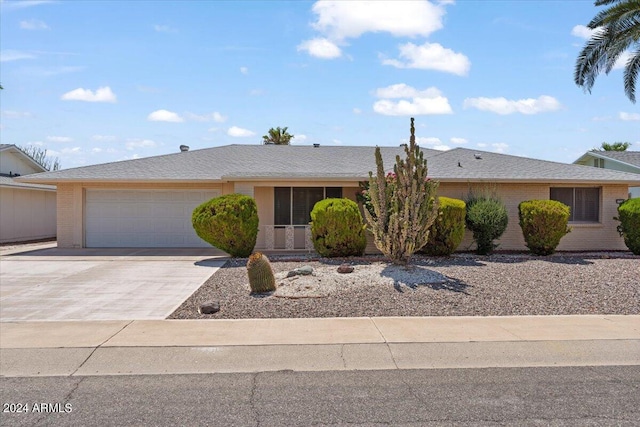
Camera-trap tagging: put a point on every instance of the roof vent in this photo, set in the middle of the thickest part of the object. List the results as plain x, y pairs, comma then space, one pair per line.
316, 145
184, 148
403, 145
478, 156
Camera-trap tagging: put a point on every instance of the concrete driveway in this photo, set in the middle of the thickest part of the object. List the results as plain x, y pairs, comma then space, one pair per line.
100, 284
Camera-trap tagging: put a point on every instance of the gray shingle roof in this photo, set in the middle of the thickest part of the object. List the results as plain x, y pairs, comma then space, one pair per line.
238, 162
629, 157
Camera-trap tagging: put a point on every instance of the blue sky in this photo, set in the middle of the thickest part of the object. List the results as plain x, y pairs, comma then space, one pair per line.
100, 81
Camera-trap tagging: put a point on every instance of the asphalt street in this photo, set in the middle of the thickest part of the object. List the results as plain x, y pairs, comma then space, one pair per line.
563, 396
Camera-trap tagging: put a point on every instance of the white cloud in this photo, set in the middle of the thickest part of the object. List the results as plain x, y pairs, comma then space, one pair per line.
300, 138
320, 48
430, 140
357, 111
244, 70
239, 132
164, 116
96, 150
442, 147
402, 90
15, 55
164, 29
59, 139
458, 141
22, 4
103, 138
34, 25
622, 60
431, 56
336, 142
134, 143
481, 144
36, 143
504, 106
103, 94
340, 20
582, 32
215, 116
499, 147
428, 101
632, 117
16, 114
72, 150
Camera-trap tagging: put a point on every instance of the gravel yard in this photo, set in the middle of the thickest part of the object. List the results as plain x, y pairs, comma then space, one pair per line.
462, 285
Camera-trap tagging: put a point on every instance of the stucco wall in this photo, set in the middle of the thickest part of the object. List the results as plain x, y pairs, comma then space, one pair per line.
27, 214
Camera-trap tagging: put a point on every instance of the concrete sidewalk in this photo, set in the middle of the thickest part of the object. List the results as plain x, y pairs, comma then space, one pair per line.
214, 346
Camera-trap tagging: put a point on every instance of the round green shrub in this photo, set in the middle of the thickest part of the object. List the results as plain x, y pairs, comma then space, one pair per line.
487, 218
543, 224
447, 231
337, 228
629, 228
229, 223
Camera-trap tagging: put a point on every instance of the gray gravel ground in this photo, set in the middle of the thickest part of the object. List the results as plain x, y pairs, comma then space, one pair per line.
462, 285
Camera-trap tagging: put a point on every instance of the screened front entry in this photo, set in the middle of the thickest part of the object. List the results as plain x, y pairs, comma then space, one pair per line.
293, 205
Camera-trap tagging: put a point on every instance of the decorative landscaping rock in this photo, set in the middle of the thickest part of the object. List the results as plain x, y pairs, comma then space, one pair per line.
345, 268
209, 307
305, 270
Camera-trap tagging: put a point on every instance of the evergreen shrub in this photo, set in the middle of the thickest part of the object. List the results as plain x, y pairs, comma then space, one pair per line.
629, 228
337, 228
448, 229
543, 224
229, 223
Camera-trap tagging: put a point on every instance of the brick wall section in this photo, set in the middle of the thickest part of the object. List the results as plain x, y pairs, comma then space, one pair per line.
64, 213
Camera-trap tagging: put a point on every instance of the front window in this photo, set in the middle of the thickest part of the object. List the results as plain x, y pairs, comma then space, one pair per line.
584, 202
293, 205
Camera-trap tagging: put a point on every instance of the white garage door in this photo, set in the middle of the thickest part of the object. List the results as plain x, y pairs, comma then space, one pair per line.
142, 218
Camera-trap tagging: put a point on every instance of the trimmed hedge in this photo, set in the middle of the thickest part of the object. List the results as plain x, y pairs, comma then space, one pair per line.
543, 224
447, 231
487, 218
629, 228
337, 228
229, 223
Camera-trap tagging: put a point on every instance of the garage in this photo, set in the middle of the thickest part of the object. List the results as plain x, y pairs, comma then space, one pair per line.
142, 218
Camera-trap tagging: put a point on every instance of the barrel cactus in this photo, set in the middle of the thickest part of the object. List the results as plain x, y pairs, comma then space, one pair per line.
261, 277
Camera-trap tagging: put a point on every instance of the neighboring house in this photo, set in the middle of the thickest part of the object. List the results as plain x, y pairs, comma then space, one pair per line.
27, 211
625, 161
148, 202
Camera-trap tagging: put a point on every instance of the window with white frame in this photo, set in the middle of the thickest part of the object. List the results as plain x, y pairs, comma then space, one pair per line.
583, 201
293, 205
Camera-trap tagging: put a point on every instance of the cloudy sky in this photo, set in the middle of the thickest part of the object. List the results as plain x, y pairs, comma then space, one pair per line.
94, 82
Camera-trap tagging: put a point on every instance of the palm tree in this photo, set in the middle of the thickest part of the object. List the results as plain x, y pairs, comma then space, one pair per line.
617, 29
277, 136
615, 146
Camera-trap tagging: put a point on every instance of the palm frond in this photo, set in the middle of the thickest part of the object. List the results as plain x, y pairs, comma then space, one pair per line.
631, 75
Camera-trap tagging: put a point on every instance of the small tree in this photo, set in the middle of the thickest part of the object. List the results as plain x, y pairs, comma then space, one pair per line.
39, 155
277, 136
404, 203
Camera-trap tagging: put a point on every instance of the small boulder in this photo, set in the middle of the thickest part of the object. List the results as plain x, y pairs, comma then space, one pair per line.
305, 270
345, 268
209, 307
